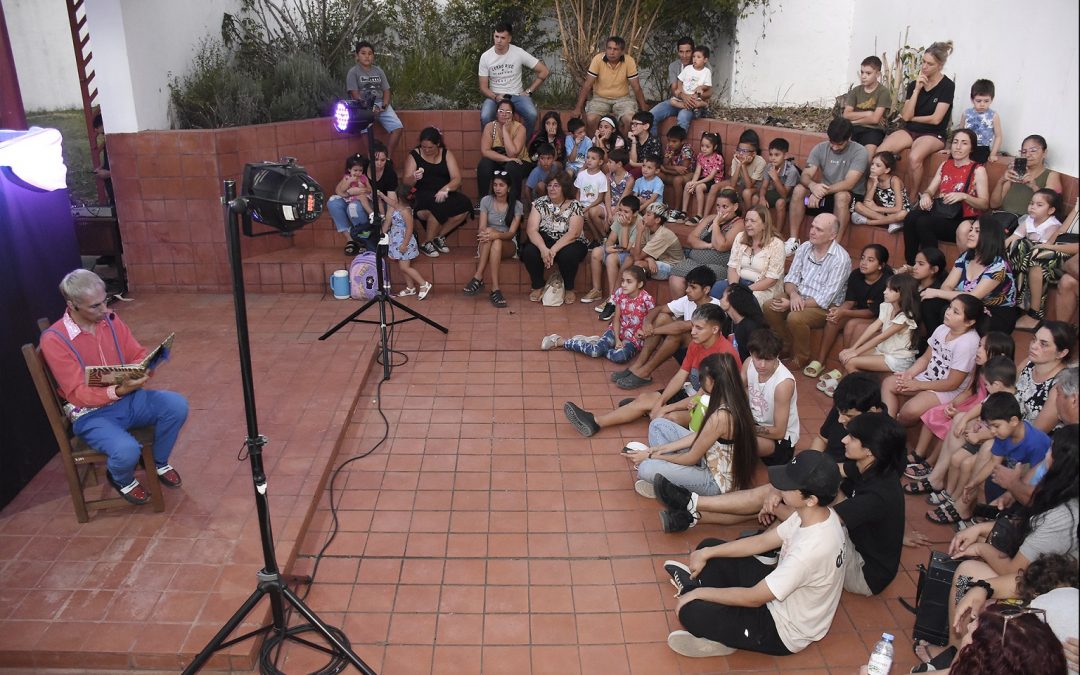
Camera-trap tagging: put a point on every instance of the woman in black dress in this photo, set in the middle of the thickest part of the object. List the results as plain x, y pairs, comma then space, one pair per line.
433, 172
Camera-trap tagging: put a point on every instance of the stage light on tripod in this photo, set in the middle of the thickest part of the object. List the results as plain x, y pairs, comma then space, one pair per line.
352, 117
281, 195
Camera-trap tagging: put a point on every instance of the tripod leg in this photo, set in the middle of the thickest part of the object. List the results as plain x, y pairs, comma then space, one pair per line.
315, 621
341, 324
418, 315
201, 658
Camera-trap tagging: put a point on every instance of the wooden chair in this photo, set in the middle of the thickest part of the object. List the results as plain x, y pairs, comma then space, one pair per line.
80, 459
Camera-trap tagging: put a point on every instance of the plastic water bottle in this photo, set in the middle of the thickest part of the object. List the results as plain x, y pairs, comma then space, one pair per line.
882, 656
697, 415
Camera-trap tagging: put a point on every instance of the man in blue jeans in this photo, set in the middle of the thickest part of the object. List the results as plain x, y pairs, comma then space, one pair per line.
500, 75
90, 334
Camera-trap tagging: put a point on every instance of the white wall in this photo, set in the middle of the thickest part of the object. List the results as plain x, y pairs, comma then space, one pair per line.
44, 57
792, 52
139, 44
810, 52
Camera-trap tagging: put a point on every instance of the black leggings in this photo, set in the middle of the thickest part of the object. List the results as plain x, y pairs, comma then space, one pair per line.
923, 230
567, 260
750, 628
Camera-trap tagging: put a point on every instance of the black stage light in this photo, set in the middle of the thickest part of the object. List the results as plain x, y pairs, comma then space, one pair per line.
280, 195
353, 116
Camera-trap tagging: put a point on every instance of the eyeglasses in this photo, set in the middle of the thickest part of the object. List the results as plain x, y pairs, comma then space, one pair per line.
1010, 613
742, 151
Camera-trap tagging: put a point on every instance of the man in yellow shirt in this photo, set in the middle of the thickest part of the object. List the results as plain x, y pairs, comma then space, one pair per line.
612, 74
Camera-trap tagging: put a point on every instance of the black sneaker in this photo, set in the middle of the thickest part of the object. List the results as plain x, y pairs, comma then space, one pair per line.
609, 311
676, 521
680, 577
675, 497
440, 245
352, 248
428, 249
582, 420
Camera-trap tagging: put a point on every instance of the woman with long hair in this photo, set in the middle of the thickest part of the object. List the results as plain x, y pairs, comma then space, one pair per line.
433, 170
720, 456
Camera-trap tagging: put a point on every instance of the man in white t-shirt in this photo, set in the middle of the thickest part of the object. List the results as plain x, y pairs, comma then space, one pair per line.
500, 75
730, 600
691, 92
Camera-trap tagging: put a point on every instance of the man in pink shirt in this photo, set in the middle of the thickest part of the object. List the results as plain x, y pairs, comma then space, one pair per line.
89, 334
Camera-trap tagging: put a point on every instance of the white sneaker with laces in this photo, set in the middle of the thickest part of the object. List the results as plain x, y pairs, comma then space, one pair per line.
790, 246
895, 227
549, 342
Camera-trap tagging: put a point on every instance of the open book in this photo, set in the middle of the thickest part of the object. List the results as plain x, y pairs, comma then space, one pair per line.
106, 376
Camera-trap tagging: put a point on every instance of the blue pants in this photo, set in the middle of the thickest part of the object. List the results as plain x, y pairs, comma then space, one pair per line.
106, 429
663, 110
717, 290
605, 347
339, 213
695, 478
523, 105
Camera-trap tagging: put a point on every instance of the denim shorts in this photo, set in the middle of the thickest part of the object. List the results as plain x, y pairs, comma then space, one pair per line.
663, 270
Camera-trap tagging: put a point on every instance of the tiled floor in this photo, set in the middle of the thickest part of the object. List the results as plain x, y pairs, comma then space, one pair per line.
485, 535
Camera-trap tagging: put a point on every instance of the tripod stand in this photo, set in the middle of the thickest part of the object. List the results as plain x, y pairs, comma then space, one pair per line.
382, 296
271, 582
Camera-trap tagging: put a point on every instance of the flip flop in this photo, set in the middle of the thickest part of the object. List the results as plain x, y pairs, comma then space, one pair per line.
814, 369
833, 374
829, 387
536, 295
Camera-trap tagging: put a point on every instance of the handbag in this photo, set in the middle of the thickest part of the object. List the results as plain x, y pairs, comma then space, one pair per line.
1004, 537
554, 291
952, 211
932, 592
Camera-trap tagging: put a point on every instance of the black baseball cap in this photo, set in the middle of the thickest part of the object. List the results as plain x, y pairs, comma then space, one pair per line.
810, 471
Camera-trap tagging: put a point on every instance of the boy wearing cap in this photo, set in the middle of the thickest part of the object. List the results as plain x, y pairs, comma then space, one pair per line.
729, 600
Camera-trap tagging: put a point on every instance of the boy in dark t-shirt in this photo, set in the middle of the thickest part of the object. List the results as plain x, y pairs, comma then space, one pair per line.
856, 394
705, 338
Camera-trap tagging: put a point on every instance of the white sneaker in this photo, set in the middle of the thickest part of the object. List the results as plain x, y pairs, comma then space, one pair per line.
645, 489
895, 227
685, 643
550, 342
790, 246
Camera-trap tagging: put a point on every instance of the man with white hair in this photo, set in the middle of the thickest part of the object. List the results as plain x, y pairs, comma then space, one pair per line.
1065, 396
89, 334
816, 281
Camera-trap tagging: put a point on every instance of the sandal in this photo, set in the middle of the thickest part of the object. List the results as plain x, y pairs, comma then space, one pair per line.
407, 291
946, 514
473, 287
919, 469
833, 374
536, 295
919, 487
497, 298
927, 663
828, 387
939, 497
814, 369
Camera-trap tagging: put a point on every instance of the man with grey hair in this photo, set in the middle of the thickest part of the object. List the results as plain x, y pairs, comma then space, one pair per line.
89, 334
816, 281
1066, 397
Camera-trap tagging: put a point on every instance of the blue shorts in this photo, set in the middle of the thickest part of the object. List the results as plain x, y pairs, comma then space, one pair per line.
663, 270
622, 256
388, 120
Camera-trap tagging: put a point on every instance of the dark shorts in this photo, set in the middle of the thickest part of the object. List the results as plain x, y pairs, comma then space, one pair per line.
827, 206
868, 136
782, 453
920, 134
771, 197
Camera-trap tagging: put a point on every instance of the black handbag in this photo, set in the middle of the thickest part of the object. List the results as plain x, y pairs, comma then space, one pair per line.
931, 606
952, 211
1004, 537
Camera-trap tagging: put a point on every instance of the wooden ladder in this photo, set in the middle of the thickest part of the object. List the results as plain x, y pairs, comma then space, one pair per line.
80, 39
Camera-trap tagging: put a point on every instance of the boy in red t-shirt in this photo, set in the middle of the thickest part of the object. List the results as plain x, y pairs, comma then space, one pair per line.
705, 339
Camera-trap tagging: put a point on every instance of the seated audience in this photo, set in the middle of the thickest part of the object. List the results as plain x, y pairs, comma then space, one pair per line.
554, 238
503, 148
350, 205
834, 177
1039, 254
678, 161
756, 259
710, 454
739, 303
856, 394
550, 133
886, 201
691, 92
660, 249
90, 334
708, 171
706, 339
957, 192
640, 142
433, 170
709, 243
981, 271
649, 189
867, 105
781, 177
614, 255
620, 182
730, 600
500, 71
545, 170
613, 81
1048, 355
865, 294
944, 369
577, 146
748, 169
926, 114
592, 187
666, 330
607, 135
816, 280
500, 218
773, 398
984, 121
889, 343
367, 81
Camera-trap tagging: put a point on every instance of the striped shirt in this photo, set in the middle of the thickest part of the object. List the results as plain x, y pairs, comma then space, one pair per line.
824, 280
